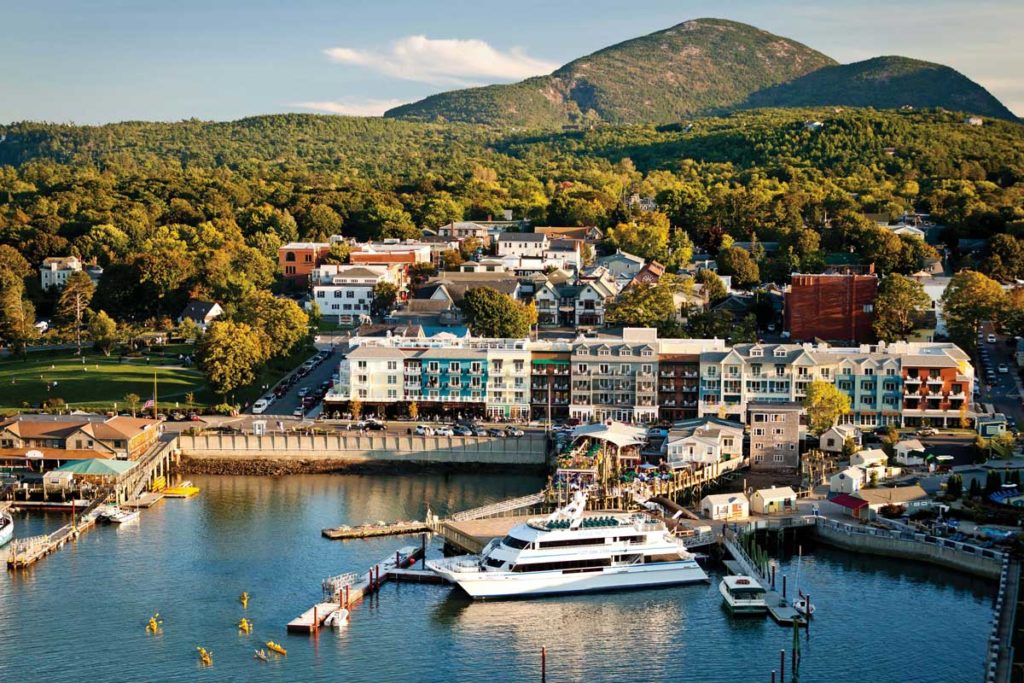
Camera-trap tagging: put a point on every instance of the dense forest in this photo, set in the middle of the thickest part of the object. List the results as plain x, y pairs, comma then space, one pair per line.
195, 208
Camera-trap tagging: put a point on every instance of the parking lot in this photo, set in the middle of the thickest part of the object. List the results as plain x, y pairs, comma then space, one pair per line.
1001, 389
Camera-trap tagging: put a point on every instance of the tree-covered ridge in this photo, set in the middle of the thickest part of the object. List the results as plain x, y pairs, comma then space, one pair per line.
884, 83
702, 67
699, 66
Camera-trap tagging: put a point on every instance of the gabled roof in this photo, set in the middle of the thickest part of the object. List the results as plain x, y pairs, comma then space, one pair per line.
776, 493
847, 501
892, 496
199, 310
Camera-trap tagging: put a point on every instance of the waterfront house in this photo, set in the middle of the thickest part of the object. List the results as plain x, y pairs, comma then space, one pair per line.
773, 501
909, 498
703, 441
849, 480
909, 452
725, 506
833, 438
55, 439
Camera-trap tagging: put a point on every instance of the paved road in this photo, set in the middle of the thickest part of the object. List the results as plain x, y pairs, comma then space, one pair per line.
290, 401
1005, 393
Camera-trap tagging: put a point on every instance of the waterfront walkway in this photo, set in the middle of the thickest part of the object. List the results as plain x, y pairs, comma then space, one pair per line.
1001, 653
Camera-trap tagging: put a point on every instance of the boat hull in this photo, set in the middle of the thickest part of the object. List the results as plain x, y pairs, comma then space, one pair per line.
496, 585
6, 532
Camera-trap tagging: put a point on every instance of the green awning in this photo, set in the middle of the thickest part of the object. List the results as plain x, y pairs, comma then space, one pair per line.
550, 361
99, 467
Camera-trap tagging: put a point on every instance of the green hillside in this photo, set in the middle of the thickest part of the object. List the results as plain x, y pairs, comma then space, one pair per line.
696, 67
884, 83
701, 67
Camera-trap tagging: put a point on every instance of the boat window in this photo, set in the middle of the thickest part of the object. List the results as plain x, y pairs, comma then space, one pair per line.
571, 564
631, 539
491, 562
571, 542
513, 542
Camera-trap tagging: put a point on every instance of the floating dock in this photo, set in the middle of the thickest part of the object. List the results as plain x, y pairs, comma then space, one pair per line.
344, 590
342, 533
146, 500
27, 551
779, 607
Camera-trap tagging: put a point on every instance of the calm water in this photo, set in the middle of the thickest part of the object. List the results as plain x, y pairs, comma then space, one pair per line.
80, 614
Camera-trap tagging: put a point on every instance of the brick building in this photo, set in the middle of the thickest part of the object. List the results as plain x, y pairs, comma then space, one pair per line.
837, 306
298, 259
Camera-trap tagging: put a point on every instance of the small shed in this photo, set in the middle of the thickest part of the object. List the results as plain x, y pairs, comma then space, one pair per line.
846, 481
909, 452
58, 480
725, 506
870, 457
774, 500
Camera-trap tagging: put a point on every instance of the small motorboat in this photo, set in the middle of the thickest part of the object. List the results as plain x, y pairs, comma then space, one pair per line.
804, 606
337, 618
274, 647
205, 656
116, 515
743, 595
261, 655
6, 528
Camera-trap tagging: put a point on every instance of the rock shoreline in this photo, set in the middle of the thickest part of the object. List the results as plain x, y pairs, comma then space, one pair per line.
275, 467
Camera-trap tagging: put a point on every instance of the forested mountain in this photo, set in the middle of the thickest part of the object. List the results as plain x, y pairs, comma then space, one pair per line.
884, 83
199, 209
700, 67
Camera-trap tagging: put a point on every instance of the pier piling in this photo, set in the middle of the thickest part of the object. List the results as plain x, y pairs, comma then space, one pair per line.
783, 585
782, 666
543, 665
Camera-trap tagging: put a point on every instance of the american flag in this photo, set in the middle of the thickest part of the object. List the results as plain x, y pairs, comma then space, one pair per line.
148, 404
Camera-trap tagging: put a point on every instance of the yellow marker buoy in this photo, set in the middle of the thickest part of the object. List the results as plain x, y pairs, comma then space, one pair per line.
205, 656
271, 645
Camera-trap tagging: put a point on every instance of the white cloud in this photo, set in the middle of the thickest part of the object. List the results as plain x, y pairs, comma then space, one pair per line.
351, 107
444, 62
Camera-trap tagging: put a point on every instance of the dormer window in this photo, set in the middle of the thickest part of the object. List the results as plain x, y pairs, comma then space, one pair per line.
756, 352
780, 352
604, 351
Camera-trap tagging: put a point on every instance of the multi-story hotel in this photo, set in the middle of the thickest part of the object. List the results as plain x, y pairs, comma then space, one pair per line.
639, 378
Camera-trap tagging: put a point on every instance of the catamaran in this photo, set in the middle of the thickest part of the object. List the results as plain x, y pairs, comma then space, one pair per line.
6, 528
571, 552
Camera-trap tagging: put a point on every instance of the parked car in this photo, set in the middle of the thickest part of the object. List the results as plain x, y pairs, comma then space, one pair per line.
479, 431
259, 406
303, 392
991, 338
298, 412
462, 430
424, 430
927, 431
1003, 369
514, 431
444, 431
657, 433
494, 431
376, 426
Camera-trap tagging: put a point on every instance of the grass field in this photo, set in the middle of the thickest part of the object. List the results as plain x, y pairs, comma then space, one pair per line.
98, 382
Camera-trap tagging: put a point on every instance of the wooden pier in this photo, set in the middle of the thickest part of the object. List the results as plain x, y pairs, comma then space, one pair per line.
146, 500
343, 533
345, 590
779, 607
27, 551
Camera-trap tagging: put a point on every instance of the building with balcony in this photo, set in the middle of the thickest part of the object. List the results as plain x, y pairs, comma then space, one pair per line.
508, 392
347, 290
616, 379
550, 380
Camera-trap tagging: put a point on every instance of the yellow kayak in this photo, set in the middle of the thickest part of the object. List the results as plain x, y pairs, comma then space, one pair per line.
205, 656
244, 597
245, 626
271, 645
153, 626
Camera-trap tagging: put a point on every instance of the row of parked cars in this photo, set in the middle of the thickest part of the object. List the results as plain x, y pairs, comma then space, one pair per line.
309, 396
467, 429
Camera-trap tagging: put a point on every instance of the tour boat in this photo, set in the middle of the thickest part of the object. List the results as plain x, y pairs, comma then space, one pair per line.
6, 528
570, 552
743, 595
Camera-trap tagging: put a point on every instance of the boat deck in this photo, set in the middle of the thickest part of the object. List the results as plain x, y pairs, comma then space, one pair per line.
778, 607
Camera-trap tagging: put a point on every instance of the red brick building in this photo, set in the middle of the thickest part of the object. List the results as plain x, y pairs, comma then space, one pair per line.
832, 306
298, 259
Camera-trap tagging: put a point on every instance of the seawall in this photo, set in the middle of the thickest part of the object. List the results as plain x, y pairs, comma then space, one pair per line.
967, 558
295, 453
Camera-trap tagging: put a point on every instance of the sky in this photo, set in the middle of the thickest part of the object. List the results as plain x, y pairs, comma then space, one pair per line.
99, 61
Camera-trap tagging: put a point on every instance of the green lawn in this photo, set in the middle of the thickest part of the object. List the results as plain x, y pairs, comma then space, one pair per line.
97, 383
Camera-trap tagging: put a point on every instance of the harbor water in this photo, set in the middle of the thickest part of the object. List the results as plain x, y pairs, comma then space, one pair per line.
81, 613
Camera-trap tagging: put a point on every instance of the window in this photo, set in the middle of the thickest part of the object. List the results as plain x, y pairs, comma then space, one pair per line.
433, 366
361, 379
759, 417
758, 431
392, 379
581, 367
392, 393
362, 393
756, 353
645, 369
778, 431
454, 366
308, 258
624, 369
290, 258
392, 365
869, 371
830, 443
361, 364
779, 457
289, 270
495, 366
869, 308
517, 365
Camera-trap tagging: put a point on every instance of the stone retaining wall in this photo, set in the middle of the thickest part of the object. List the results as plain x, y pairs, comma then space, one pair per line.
327, 452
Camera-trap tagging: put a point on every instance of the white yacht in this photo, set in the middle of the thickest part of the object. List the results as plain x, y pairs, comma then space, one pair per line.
570, 552
743, 595
6, 528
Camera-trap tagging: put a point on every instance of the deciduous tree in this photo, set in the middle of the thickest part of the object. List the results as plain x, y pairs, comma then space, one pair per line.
898, 307
824, 404
491, 313
280, 323
74, 301
969, 299
229, 353
103, 332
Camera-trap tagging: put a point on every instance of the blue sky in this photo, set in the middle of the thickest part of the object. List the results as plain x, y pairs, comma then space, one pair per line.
94, 61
